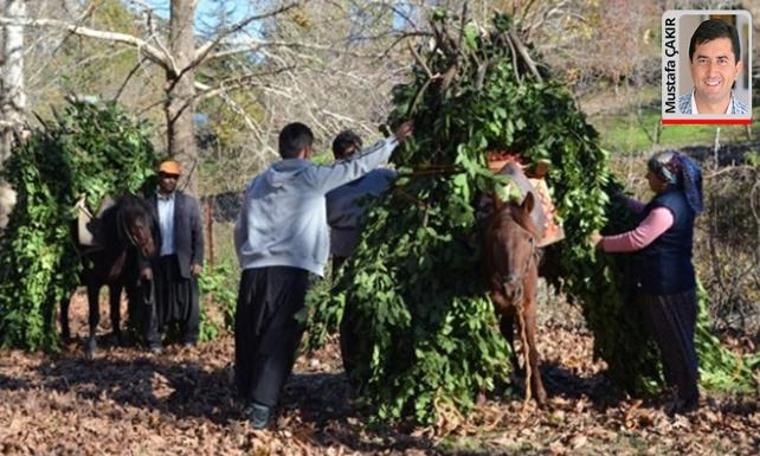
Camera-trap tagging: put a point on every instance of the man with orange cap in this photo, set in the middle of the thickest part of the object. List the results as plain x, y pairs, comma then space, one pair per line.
175, 270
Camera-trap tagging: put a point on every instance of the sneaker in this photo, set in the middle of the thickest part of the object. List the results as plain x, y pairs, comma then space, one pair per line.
258, 415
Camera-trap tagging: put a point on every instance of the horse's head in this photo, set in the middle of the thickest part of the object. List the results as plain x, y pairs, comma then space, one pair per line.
136, 222
511, 238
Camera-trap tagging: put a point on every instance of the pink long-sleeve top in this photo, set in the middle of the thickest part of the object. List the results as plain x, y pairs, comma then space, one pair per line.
657, 222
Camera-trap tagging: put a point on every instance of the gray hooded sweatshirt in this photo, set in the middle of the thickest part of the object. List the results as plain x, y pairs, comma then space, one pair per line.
283, 221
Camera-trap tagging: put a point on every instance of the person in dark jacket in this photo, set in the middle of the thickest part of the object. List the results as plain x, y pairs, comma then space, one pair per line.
345, 204
666, 282
346, 207
175, 270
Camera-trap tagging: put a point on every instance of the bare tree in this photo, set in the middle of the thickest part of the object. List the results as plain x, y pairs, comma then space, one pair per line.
179, 60
180, 89
12, 93
329, 64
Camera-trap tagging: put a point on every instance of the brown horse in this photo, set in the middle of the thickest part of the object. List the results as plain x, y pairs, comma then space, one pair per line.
511, 266
124, 234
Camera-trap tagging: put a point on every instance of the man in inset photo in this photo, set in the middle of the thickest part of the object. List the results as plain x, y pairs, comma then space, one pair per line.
714, 55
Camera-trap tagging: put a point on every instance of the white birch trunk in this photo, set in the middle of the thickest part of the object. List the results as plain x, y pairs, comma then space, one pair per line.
13, 92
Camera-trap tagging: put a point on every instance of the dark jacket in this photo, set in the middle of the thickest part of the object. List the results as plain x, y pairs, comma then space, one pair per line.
665, 266
188, 230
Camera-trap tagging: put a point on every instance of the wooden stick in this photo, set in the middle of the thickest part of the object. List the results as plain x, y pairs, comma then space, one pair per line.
525, 55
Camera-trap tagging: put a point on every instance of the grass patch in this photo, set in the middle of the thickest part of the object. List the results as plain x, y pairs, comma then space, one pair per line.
632, 132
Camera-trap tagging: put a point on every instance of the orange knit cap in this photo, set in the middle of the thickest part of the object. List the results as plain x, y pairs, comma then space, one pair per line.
170, 167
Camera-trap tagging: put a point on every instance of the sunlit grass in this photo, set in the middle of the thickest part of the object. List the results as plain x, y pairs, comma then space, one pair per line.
629, 132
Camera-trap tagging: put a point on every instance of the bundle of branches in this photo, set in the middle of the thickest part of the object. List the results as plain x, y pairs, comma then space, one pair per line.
414, 289
88, 150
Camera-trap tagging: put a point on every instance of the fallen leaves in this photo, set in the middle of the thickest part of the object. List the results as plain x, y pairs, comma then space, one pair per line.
183, 402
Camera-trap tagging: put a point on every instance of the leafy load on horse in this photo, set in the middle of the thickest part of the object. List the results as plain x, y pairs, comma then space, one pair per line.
88, 150
414, 292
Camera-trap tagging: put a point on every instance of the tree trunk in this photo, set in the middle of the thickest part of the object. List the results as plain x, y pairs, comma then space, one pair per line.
180, 91
13, 95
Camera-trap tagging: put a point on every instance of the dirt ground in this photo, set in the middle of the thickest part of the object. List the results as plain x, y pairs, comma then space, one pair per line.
126, 401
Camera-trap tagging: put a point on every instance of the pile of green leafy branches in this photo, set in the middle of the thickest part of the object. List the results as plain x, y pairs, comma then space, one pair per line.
428, 339
88, 150
218, 288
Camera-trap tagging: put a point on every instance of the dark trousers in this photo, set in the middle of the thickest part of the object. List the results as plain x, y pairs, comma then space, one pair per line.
337, 263
671, 320
267, 333
175, 299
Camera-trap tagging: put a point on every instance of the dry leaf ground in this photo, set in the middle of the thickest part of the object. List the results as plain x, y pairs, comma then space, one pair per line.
182, 402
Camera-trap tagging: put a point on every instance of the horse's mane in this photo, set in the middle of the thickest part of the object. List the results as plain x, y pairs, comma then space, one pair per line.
134, 205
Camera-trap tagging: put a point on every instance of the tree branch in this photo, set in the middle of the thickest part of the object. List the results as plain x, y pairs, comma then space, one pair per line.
126, 80
155, 36
729, 169
235, 106
234, 83
255, 45
400, 38
151, 52
203, 51
525, 55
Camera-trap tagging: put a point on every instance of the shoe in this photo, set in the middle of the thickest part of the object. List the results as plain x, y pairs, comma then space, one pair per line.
188, 344
681, 407
258, 415
688, 406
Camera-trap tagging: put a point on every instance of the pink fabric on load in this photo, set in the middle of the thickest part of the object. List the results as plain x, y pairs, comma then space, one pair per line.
657, 222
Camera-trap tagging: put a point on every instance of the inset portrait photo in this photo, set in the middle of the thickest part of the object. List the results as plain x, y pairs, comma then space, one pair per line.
707, 67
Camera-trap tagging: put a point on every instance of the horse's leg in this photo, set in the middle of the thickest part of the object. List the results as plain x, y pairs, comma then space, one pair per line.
63, 318
501, 307
507, 328
93, 290
536, 384
114, 299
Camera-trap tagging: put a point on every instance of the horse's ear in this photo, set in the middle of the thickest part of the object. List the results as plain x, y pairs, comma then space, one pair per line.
528, 203
497, 202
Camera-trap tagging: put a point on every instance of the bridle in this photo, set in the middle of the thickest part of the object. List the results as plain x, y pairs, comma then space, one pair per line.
534, 252
124, 227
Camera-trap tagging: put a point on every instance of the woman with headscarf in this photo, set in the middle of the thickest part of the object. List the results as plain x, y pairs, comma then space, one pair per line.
666, 282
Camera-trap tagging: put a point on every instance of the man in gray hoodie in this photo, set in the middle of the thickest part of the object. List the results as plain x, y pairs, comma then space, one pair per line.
280, 237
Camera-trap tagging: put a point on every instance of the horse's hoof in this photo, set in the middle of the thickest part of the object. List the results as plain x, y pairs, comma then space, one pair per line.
89, 348
117, 339
541, 398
